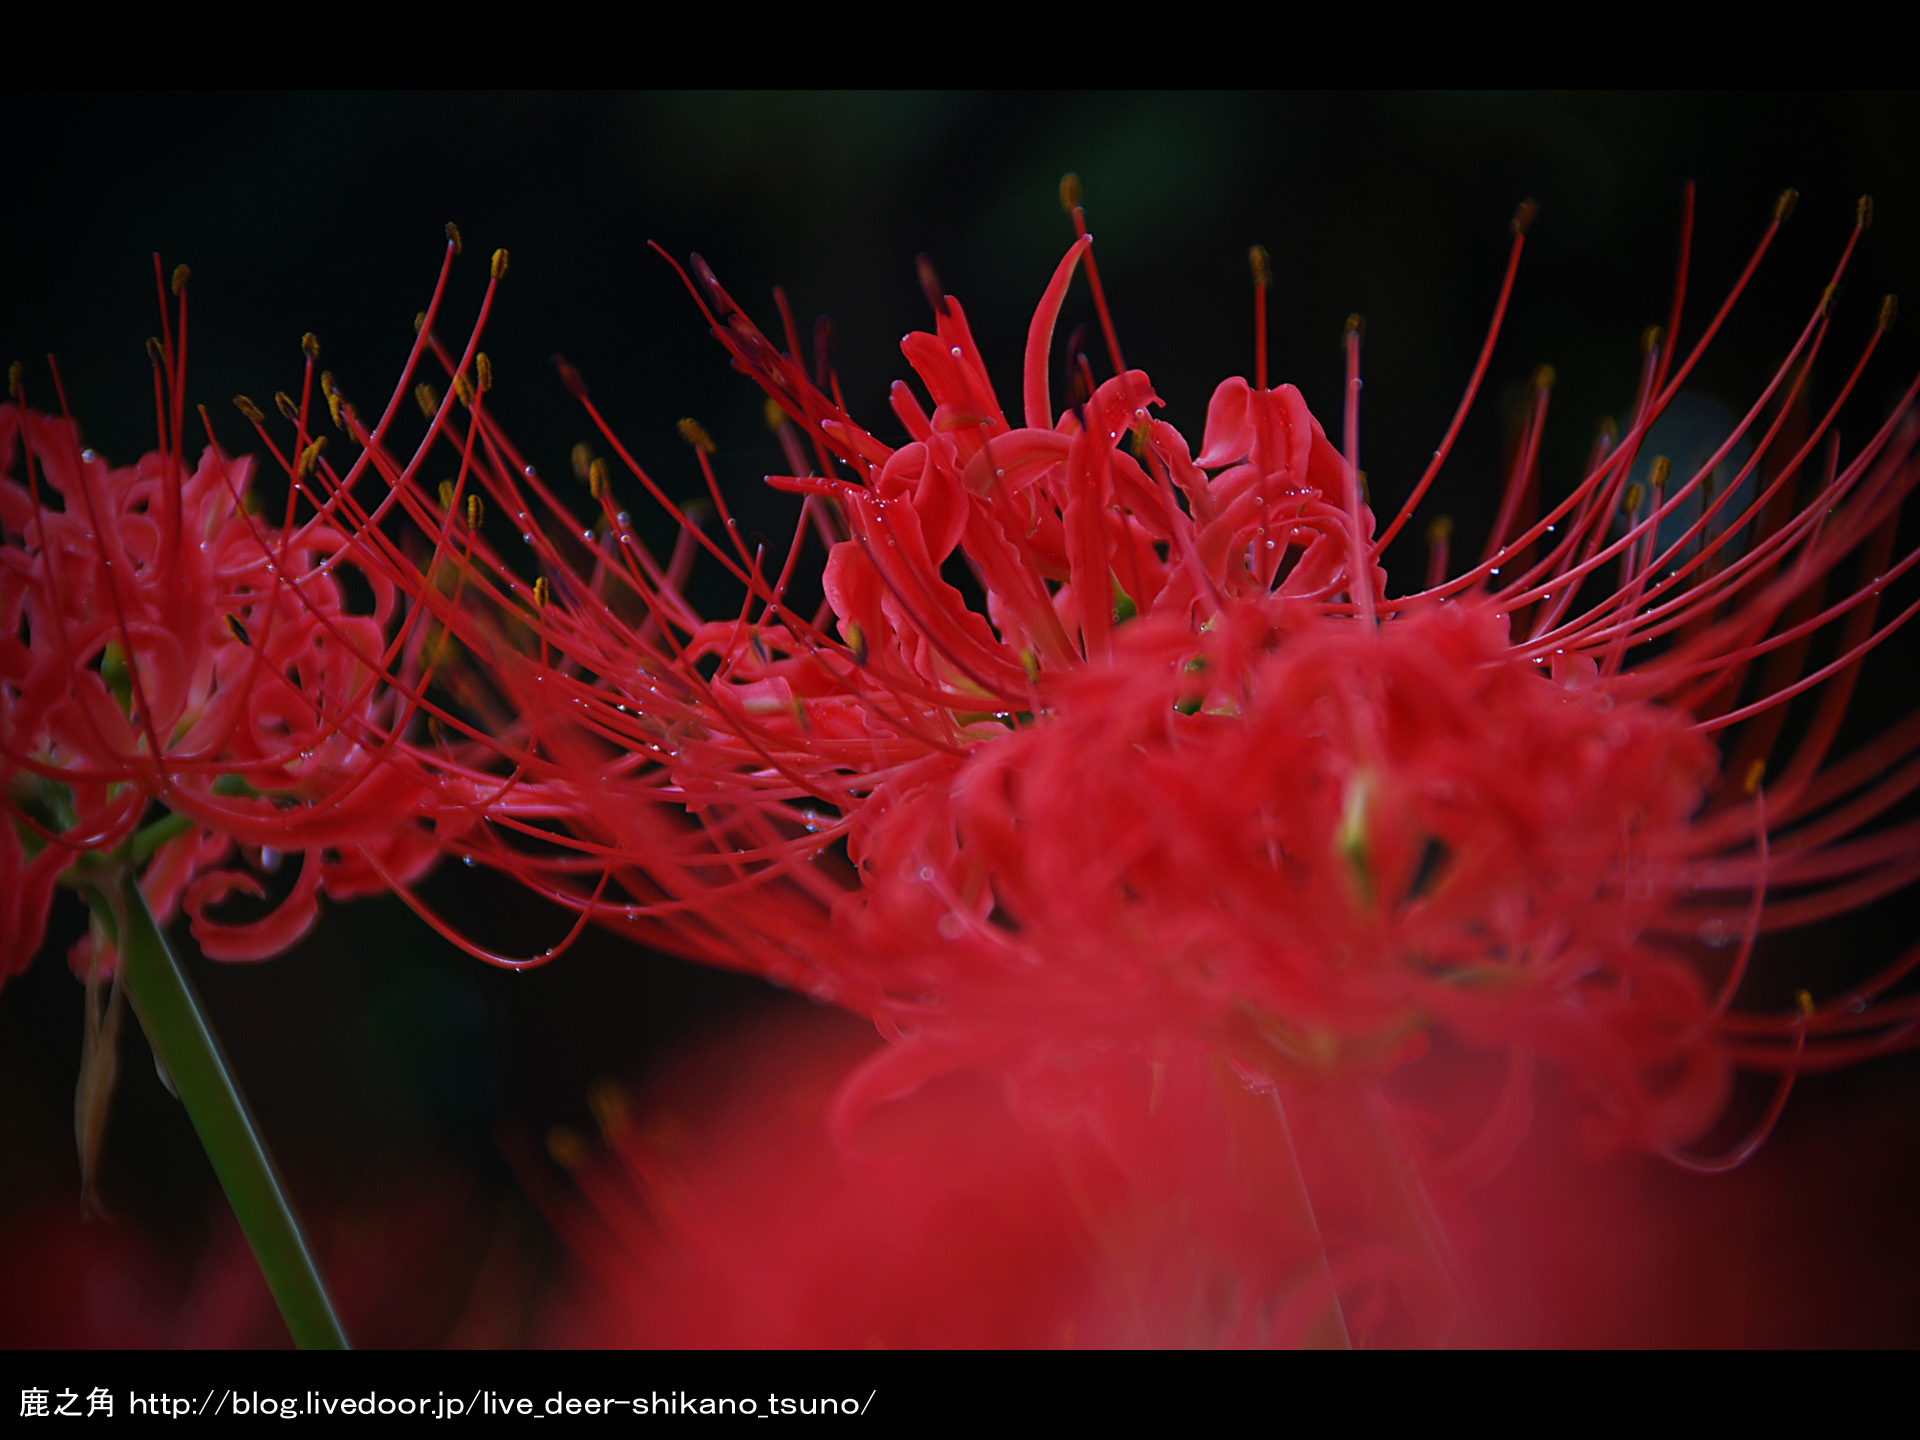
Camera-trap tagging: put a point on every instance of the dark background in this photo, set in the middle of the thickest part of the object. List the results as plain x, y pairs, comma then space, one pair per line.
385, 1067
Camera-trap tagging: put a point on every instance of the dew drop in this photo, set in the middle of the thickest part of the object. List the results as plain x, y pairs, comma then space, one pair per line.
949, 926
529, 473
87, 455
956, 352
623, 519
926, 874
466, 860
269, 859
1716, 933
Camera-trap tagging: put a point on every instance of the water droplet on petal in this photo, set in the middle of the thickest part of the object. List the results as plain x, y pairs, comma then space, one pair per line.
926, 874
949, 926
87, 455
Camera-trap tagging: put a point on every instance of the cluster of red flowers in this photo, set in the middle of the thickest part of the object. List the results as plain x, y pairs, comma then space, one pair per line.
1106, 775
1108, 768
181, 677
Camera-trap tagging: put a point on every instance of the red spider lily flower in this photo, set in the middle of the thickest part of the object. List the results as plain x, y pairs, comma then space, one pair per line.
1117, 770
179, 678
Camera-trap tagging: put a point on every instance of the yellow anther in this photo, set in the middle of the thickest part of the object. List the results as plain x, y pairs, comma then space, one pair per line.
419, 321
1804, 1000
582, 461
566, 1147
1863, 212
1543, 377
1138, 439
1756, 772
310, 458
1030, 662
1356, 326
597, 479
1523, 215
284, 403
541, 593
856, 641
453, 234
483, 371
463, 387
773, 415
1630, 502
1658, 472
1366, 492
247, 408
334, 408
1889, 308
238, 631
695, 434
424, 397
609, 1105
1650, 339
447, 491
155, 353
180, 274
499, 264
1829, 297
310, 345
476, 512
1069, 192
1440, 530
14, 372
1608, 429
1262, 266
1783, 207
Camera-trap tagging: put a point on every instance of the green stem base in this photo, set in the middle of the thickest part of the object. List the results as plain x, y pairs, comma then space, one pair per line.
176, 1025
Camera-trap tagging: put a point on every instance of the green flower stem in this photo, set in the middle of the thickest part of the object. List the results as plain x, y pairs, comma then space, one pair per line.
176, 1027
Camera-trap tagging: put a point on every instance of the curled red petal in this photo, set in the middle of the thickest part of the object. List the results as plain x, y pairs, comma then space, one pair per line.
265, 937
